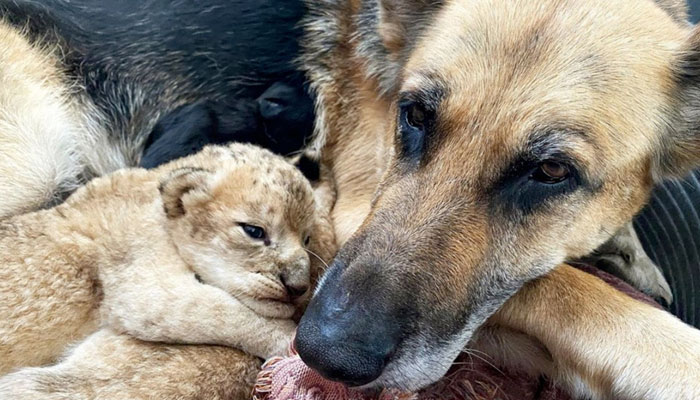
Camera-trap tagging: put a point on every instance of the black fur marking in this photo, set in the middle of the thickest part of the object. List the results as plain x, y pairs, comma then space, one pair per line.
517, 190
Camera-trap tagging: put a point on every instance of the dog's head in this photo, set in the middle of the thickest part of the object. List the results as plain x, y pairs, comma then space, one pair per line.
525, 134
244, 226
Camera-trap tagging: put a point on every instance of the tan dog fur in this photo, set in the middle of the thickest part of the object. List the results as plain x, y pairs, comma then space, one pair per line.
37, 115
609, 69
111, 256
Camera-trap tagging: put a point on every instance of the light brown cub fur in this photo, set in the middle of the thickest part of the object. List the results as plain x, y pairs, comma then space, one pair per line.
108, 365
123, 252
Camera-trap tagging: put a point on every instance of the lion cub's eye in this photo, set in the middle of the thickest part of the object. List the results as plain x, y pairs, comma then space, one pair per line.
253, 231
307, 240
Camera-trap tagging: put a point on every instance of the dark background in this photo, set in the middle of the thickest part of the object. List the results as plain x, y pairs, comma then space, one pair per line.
694, 10
669, 229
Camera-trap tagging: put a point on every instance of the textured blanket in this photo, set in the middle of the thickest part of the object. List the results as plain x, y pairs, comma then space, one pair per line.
470, 377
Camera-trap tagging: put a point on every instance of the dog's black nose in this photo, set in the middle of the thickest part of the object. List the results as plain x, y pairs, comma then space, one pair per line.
346, 342
353, 364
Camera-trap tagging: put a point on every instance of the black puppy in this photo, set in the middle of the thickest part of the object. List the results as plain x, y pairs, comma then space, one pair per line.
280, 119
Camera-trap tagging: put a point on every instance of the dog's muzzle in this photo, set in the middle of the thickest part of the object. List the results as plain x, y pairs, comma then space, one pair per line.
346, 335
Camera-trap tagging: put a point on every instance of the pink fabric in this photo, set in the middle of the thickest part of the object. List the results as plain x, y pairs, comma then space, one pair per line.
290, 379
470, 377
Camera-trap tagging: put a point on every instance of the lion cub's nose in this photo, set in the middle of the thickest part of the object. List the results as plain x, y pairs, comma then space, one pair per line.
295, 284
296, 292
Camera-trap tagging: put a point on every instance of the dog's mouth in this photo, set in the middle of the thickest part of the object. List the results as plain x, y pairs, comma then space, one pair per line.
411, 363
371, 337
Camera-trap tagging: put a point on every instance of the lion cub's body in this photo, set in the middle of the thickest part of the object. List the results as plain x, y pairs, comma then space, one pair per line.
114, 255
52, 261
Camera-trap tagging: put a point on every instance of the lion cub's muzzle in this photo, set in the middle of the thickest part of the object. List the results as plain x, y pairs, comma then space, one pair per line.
343, 340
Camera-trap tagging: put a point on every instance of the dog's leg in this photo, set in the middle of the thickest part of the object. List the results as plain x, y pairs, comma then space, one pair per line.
603, 343
109, 366
182, 310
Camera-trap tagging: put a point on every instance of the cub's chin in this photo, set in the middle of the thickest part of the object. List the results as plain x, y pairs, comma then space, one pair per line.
270, 308
269, 305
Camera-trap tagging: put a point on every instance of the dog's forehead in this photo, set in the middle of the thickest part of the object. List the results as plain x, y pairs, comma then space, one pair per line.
511, 69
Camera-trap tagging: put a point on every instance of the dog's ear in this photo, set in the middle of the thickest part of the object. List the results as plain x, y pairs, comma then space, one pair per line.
389, 31
400, 21
184, 188
680, 147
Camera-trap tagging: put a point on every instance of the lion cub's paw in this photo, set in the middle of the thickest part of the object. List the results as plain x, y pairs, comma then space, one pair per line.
280, 337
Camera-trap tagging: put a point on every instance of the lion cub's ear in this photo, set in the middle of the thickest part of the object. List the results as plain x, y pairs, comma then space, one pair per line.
184, 187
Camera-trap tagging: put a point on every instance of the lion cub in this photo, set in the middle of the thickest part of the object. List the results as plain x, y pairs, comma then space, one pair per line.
209, 249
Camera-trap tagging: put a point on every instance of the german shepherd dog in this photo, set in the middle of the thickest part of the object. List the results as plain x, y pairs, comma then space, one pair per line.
477, 145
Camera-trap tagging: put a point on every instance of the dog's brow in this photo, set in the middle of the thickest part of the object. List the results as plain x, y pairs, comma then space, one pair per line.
426, 89
553, 140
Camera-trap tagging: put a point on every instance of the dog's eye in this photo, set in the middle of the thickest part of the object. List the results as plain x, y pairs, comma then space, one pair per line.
415, 116
551, 172
528, 184
253, 231
414, 122
307, 240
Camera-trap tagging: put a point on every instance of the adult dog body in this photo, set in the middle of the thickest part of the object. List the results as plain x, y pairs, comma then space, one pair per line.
476, 145
83, 83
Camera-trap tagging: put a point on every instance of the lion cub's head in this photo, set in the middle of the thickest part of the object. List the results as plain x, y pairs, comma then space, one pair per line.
243, 224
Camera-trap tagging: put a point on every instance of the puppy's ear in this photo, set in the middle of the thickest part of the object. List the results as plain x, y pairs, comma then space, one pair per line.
181, 132
680, 150
287, 114
184, 188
